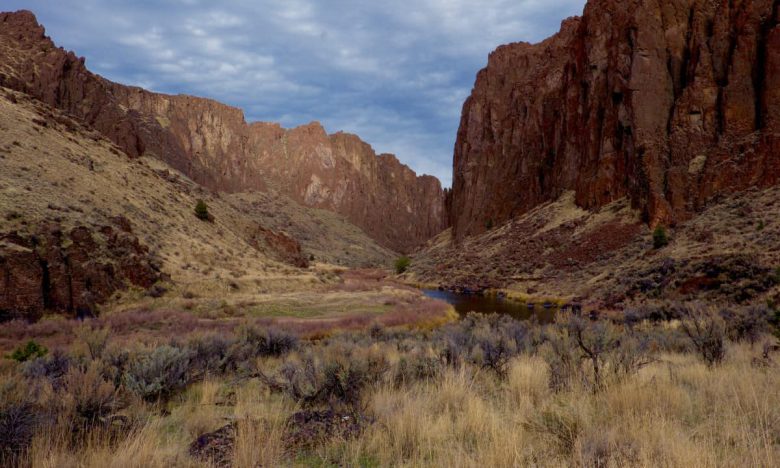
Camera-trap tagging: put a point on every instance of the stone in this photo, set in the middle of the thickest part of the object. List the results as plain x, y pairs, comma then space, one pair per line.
669, 103
69, 272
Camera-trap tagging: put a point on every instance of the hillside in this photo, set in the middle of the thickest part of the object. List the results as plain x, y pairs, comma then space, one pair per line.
605, 258
213, 145
82, 218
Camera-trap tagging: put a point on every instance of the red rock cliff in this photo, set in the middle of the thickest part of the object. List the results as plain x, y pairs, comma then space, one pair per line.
668, 102
213, 144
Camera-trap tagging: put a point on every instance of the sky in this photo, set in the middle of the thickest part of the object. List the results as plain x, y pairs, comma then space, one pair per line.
395, 73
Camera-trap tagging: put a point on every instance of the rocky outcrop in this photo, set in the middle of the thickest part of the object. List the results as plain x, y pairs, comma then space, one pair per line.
282, 247
213, 144
668, 102
69, 271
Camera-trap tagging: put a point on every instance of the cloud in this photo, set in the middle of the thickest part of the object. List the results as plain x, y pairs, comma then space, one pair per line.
395, 73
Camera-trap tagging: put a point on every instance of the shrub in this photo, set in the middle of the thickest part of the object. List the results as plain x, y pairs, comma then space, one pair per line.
336, 380
210, 354
115, 361
706, 330
607, 349
159, 374
746, 323
31, 350
562, 360
494, 353
94, 339
489, 341
89, 396
267, 342
660, 239
52, 367
632, 354
19, 420
202, 211
402, 264
415, 367
595, 340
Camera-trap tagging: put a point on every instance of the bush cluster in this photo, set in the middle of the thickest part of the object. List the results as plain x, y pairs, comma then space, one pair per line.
402, 264
90, 386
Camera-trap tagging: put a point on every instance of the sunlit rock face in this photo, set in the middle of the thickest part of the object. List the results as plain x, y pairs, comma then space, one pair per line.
670, 103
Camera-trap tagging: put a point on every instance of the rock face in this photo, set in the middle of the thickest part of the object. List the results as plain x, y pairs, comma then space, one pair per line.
69, 272
668, 102
285, 248
213, 144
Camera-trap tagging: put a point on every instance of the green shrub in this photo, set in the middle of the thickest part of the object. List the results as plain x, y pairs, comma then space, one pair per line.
202, 211
660, 239
402, 264
29, 351
489, 224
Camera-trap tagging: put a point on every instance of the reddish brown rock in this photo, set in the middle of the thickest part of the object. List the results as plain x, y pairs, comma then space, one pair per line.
212, 143
282, 247
69, 272
669, 103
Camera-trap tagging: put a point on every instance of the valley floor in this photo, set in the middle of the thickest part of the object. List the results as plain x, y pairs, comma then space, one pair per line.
390, 398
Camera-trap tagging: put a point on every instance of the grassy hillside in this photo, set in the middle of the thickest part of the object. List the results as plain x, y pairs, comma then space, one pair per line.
53, 170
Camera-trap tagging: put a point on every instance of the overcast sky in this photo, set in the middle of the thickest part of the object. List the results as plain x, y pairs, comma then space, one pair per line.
394, 72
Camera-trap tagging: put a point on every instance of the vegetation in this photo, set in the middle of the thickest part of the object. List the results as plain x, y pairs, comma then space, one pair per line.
29, 351
202, 211
675, 385
660, 238
402, 264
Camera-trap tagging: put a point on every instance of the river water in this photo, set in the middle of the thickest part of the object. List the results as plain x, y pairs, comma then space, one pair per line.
465, 303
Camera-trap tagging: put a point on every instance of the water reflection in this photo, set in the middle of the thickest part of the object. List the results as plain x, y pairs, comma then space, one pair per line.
465, 303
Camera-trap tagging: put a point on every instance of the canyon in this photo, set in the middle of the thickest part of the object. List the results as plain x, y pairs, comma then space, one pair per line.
635, 115
213, 144
671, 104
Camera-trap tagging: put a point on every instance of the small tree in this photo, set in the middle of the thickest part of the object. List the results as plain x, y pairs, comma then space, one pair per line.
402, 264
660, 239
202, 210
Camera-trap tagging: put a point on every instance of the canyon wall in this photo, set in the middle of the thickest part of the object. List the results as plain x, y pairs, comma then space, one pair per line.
213, 144
70, 271
668, 102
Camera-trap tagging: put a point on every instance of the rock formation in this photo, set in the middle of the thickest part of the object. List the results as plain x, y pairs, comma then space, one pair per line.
70, 271
212, 143
667, 102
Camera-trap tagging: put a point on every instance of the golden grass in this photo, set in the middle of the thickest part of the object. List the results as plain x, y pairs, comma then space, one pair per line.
675, 412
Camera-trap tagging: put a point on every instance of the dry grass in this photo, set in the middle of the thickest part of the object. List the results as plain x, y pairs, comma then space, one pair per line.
675, 412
